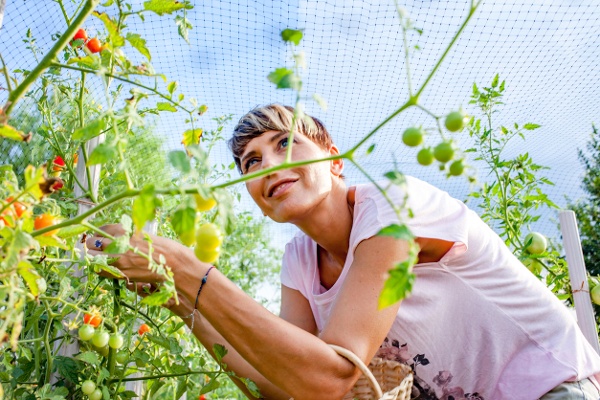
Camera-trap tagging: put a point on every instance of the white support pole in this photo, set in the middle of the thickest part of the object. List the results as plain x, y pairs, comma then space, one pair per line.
578, 276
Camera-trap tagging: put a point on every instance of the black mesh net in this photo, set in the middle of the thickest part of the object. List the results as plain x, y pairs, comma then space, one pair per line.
547, 52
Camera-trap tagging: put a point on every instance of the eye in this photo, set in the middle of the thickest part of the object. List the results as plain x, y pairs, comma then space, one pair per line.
250, 163
283, 142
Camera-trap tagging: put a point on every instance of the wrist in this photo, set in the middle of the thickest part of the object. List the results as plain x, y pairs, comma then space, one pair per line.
188, 273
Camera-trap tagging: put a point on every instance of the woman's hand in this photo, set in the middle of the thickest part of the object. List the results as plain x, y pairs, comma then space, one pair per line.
134, 265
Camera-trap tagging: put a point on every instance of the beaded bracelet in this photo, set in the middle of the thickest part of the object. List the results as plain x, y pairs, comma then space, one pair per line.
204, 279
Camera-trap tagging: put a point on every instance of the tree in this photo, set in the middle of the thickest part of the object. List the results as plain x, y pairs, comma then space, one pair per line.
588, 209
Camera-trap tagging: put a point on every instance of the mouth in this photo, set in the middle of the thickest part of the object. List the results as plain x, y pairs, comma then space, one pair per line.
279, 187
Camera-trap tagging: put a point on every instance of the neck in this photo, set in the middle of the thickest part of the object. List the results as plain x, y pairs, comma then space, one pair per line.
330, 222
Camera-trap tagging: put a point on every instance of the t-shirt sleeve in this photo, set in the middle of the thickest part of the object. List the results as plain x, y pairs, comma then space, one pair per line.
297, 268
435, 213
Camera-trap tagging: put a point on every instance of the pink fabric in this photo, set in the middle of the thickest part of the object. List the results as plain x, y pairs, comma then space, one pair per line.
478, 324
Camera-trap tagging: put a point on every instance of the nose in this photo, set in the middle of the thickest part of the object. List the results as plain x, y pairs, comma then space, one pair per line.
269, 160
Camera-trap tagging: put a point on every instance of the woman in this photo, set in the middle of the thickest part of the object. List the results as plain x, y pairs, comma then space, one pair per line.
477, 325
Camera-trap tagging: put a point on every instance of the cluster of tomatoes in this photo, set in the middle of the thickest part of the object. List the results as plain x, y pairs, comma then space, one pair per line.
13, 212
535, 246
444, 151
94, 45
207, 237
91, 331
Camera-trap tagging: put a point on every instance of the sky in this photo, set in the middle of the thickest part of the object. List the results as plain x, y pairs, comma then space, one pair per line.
547, 51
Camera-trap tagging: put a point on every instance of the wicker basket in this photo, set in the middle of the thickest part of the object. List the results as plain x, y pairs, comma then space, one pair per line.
382, 380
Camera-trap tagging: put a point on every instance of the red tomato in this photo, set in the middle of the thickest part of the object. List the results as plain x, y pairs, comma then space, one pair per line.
92, 319
94, 45
81, 34
144, 328
202, 397
58, 164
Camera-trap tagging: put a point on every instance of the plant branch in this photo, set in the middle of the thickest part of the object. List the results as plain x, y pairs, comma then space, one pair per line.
46, 62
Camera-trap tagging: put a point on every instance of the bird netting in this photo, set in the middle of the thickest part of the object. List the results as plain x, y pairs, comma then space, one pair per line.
546, 51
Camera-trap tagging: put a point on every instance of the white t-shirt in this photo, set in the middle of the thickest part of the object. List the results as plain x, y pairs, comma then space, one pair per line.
478, 324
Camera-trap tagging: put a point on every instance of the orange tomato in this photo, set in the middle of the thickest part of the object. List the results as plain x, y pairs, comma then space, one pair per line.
19, 207
43, 221
92, 319
144, 328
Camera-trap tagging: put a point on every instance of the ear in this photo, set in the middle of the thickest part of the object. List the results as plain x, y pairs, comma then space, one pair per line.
336, 166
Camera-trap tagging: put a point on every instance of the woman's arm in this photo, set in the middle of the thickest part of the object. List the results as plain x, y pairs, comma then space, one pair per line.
294, 360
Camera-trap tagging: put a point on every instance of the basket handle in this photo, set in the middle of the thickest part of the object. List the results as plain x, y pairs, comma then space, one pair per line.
361, 365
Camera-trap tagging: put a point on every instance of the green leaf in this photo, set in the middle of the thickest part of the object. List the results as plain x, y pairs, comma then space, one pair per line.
164, 106
162, 7
89, 62
397, 286
292, 35
172, 86
202, 109
180, 160
144, 207
33, 279
118, 246
52, 241
396, 231
100, 264
113, 31
285, 78
139, 44
89, 357
396, 177
68, 368
183, 27
102, 153
33, 178
9, 132
191, 136
529, 126
210, 386
90, 131
220, 351
495, 80
184, 220
159, 297
251, 386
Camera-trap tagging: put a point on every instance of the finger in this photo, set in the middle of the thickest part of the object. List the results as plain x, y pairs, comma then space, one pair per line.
114, 229
97, 243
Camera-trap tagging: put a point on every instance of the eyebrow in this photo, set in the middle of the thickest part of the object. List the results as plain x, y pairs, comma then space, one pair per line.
252, 153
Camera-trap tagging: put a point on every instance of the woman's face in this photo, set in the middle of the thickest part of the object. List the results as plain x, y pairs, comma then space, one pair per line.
289, 194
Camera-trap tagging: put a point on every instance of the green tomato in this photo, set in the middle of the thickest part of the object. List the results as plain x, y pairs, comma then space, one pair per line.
95, 395
457, 168
533, 265
208, 236
115, 341
100, 339
595, 294
455, 121
88, 387
425, 156
444, 152
413, 136
86, 332
122, 357
535, 243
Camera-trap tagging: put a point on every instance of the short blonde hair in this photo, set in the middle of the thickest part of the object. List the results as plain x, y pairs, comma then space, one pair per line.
274, 117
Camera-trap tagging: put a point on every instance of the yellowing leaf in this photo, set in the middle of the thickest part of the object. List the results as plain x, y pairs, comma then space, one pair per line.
29, 274
115, 38
191, 136
9, 132
165, 6
33, 178
89, 62
139, 44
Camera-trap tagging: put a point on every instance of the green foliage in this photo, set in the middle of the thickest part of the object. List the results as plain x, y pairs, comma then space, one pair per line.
509, 201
